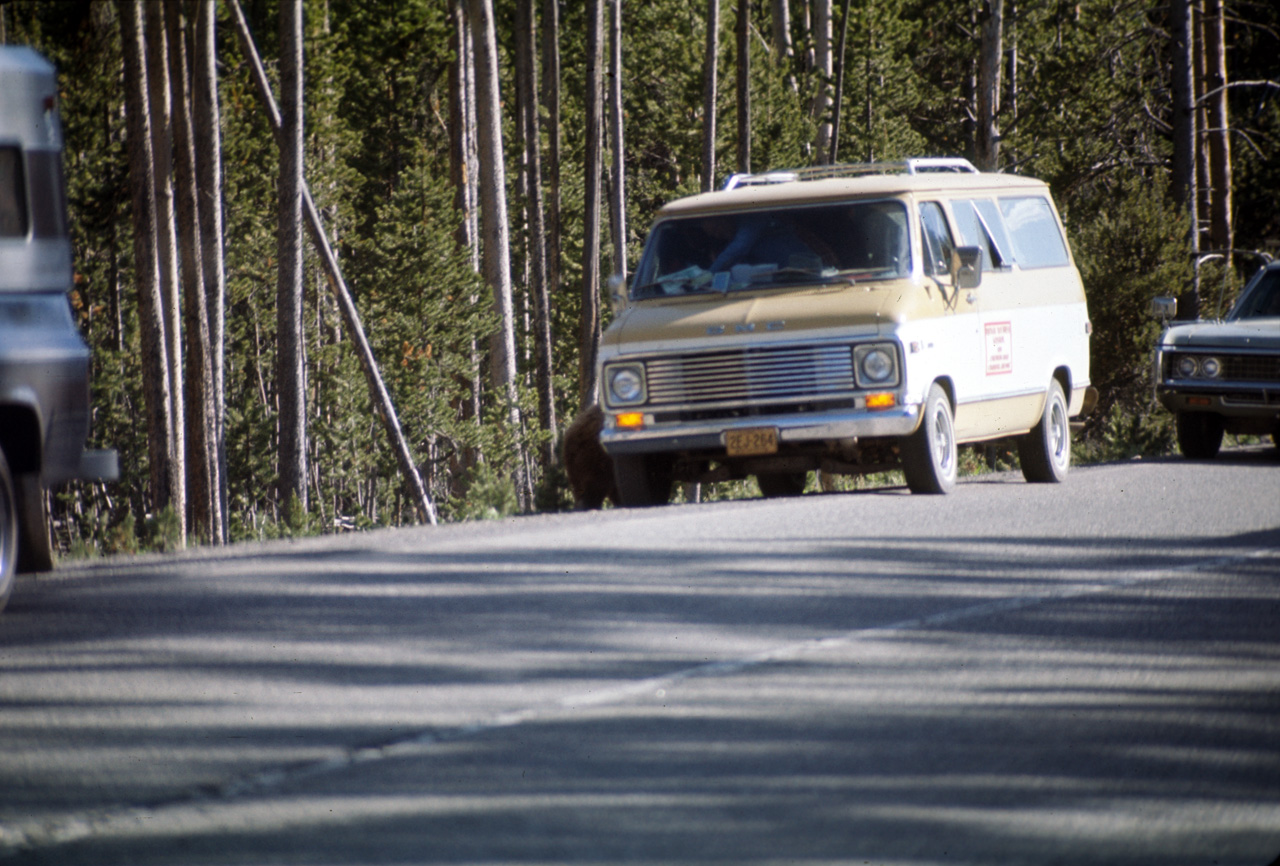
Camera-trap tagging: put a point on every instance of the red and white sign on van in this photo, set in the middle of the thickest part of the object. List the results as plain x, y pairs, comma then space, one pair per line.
999, 348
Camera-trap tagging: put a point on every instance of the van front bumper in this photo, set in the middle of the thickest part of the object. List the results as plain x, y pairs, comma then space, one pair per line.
801, 429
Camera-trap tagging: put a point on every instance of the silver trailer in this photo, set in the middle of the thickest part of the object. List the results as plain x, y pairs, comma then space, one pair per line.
44, 362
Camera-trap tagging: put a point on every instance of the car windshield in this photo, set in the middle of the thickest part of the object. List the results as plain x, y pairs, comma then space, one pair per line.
1261, 298
733, 251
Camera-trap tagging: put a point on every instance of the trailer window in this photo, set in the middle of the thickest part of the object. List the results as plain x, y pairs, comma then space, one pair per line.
13, 197
48, 194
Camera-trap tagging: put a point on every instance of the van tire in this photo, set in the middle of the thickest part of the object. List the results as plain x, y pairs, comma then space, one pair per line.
1199, 435
929, 455
35, 551
642, 480
1045, 452
8, 531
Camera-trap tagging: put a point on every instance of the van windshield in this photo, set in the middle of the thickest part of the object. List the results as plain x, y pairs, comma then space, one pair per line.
732, 251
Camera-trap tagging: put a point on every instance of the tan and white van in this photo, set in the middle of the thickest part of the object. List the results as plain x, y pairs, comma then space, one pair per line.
851, 319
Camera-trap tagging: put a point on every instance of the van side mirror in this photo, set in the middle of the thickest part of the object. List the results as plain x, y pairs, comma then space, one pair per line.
618, 293
966, 267
1164, 308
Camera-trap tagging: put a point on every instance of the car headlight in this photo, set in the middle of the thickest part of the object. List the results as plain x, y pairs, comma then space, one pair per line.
1197, 367
875, 366
626, 385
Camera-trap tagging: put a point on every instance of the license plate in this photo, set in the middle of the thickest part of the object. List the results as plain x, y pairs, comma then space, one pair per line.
751, 442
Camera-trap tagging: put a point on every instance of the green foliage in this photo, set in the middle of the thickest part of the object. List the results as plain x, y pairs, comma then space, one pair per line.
164, 531
1130, 246
881, 85
298, 522
489, 494
123, 537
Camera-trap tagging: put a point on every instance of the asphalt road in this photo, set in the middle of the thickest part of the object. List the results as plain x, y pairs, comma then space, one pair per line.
1078, 674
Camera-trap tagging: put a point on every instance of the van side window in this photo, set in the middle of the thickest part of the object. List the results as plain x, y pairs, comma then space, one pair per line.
13, 196
1037, 241
936, 238
48, 194
980, 225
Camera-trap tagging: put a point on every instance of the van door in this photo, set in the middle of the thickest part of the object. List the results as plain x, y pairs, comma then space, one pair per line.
955, 336
1004, 400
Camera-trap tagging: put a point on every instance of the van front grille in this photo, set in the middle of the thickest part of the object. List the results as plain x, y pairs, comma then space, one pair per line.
771, 374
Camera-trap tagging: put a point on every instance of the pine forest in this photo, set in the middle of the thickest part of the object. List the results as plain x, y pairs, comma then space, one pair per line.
344, 263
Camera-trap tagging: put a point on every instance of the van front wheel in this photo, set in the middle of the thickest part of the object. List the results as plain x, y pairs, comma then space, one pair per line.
929, 454
1045, 452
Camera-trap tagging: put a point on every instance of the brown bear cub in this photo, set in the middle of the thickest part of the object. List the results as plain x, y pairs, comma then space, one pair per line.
589, 468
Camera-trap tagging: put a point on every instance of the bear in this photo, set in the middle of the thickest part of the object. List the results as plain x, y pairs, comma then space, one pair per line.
589, 468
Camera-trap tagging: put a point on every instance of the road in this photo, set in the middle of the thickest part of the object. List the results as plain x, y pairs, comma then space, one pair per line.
1078, 674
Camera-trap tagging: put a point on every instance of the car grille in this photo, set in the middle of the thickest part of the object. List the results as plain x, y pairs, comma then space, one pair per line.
1252, 368
767, 374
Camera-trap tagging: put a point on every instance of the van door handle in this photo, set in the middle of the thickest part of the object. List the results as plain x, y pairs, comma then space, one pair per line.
970, 298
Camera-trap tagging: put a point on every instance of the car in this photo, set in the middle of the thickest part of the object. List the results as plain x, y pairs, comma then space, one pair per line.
1221, 377
847, 319
44, 362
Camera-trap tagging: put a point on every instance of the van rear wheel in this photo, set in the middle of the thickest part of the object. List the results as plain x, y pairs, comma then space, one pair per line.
1045, 452
929, 455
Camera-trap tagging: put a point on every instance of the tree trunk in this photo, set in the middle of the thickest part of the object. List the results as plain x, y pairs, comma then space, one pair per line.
823, 69
494, 224
834, 156
208, 147
710, 70
743, 32
986, 145
527, 84
464, 171
155, 364
1182, 58
551, 119
158, 103
290, 346
782, 44
201, 461
1221, 230
618, 190
589, 337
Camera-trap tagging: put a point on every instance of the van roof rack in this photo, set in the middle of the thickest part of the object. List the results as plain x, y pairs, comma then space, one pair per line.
918, 165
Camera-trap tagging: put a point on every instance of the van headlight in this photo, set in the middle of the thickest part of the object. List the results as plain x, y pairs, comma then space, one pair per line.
625, 384
876, 365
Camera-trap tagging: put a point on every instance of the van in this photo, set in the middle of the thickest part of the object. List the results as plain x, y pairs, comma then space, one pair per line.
44, 362
848, 319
